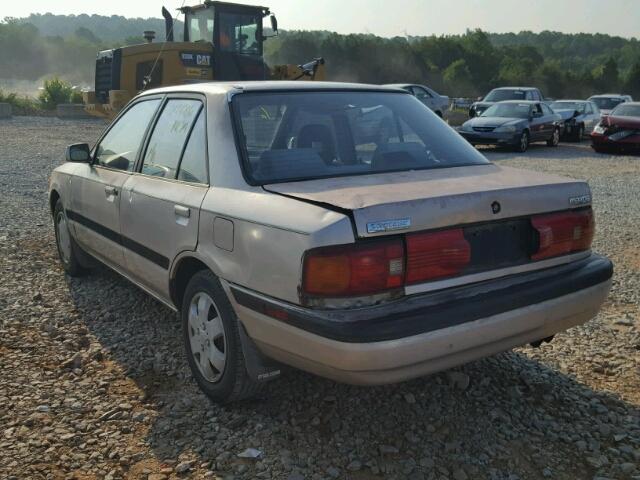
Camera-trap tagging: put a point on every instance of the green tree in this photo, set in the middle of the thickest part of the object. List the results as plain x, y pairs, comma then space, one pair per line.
606, 77
632, 81
457, 78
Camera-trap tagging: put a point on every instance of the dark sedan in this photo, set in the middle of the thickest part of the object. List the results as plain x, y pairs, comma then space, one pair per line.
514, 124
503, 94
619, 131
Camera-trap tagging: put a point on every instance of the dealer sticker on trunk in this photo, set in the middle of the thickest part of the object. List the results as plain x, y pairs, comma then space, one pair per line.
389, 225
581, 200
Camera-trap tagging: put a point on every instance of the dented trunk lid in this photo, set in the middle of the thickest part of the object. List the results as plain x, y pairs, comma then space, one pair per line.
401, 202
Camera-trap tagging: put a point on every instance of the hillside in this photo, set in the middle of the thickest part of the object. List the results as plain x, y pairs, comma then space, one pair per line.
560, 64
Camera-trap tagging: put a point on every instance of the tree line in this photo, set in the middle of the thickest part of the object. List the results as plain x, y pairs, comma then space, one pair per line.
467, 65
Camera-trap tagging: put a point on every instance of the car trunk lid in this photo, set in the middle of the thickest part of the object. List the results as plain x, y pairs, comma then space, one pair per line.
400, 202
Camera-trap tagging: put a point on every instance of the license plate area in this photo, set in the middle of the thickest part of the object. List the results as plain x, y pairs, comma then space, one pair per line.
499, 245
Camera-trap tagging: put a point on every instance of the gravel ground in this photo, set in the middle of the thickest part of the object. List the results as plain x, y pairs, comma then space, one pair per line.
93, 382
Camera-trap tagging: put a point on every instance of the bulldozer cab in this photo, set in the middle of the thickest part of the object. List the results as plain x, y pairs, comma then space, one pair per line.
221, 42
236, 34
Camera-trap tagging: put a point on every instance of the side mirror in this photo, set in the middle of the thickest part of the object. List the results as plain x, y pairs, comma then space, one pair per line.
479, 99
274, 24
78, 152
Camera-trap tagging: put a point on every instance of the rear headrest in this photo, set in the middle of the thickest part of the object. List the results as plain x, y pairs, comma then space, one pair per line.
318, 137
392, 156
295, 163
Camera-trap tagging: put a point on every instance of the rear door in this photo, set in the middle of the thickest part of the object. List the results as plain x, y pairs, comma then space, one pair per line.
161, 202
96, 191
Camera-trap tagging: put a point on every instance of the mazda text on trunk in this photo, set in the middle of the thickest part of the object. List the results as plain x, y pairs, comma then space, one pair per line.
342, 229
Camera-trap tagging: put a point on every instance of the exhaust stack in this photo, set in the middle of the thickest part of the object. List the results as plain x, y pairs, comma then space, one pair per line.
168, 24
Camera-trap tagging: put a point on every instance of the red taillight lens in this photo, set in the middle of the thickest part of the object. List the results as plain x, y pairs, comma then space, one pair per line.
563, 233
436, 255
354, 269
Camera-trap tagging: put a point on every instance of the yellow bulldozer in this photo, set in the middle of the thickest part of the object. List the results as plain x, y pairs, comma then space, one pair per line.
222, 42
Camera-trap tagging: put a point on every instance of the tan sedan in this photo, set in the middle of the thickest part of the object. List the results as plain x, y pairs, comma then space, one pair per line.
342, 229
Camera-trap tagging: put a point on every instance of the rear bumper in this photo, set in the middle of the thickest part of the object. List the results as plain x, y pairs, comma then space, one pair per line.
427, 333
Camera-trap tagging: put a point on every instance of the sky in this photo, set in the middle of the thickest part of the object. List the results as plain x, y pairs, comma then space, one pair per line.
393, 17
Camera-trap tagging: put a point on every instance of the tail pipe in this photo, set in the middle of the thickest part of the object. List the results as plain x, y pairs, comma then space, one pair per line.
168, 24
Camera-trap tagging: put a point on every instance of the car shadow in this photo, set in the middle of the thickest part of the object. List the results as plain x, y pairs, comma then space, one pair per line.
517, 415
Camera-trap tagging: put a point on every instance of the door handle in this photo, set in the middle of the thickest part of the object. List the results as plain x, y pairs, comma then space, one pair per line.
110, 191
181, 211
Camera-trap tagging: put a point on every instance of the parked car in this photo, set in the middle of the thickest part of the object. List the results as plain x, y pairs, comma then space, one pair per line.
579, 116
502, 94
432, 99
514, 124
287, 224
608, 101
619, 131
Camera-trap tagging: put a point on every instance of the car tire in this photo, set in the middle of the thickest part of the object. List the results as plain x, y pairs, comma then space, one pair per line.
523, 144
554, 141
212, 341
579, 135
69, 251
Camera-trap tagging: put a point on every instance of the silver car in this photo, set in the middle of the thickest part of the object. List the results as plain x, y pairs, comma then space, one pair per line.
341, 229
432, 99
579, 117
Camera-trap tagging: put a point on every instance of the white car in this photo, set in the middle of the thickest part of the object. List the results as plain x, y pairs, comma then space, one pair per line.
608, 101
342, 229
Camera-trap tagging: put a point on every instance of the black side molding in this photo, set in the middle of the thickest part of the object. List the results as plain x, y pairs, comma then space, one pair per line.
151, 255
435, 310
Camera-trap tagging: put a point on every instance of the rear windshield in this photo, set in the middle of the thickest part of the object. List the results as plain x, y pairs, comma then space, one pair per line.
305, 135
502, 95
627, 111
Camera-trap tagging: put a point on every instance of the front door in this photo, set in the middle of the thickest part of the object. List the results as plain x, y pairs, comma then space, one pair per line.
538, 126
96, 191
160, 207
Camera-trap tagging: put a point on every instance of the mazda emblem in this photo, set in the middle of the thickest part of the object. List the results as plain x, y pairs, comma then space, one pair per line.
496, 208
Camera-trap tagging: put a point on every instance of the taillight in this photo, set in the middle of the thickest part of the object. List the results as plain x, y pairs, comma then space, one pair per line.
352, 270
563, 233
436, 255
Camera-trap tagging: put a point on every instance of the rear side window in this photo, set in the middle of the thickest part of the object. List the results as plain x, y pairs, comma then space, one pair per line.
297, 136
120, 146
193, 167
168, 139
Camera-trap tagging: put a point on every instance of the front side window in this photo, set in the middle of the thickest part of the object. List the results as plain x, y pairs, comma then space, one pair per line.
297, 136
120, 146
240, 33
421, 93
167, 141
200, 25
